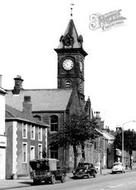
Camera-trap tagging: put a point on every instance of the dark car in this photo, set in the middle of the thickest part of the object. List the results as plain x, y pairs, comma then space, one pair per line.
84, 170
46, 170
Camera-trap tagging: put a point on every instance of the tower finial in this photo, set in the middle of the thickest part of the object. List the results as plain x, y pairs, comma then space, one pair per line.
71, 8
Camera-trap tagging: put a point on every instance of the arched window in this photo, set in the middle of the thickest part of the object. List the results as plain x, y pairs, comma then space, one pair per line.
54, 123
54, 152
38, 117
68, 84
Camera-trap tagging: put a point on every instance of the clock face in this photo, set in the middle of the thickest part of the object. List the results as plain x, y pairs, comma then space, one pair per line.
81, 66
68, 64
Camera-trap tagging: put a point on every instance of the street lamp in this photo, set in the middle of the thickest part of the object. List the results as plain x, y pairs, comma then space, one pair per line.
123, 139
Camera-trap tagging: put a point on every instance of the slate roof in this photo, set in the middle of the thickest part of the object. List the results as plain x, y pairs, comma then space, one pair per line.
42, 99
2, 91
71, 29
77, 40
106, 135
14, 114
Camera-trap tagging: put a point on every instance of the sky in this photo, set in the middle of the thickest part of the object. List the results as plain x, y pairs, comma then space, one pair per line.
31, 29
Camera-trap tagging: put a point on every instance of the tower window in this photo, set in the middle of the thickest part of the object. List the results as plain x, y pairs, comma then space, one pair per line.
54, 123
67, 83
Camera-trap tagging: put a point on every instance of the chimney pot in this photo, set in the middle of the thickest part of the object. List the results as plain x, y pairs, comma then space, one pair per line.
18, 84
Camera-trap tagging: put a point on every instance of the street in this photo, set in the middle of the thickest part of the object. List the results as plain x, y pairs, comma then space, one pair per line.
125, 181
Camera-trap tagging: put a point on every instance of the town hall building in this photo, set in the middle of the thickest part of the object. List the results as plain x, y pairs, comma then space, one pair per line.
55, 106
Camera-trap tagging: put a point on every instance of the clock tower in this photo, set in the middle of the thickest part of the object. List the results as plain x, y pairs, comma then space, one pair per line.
71, 60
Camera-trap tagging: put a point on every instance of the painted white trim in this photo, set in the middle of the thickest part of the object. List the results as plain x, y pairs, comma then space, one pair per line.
24, 125
40, 136
46, 141
32, 127
32, 156
14, 162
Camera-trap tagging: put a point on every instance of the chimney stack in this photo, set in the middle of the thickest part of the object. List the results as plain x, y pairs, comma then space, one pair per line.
97, 114
18, 85
27, 105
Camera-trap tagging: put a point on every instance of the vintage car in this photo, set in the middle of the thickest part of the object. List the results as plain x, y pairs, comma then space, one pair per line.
84, 170
46, 170
118, 168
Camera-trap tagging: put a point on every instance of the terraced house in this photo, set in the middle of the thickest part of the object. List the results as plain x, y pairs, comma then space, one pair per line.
2, 131
26, 139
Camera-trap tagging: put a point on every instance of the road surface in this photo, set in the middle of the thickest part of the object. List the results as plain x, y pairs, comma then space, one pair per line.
125, 181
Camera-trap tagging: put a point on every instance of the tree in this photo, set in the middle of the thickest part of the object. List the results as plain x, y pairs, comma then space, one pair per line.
129, 141
75, 133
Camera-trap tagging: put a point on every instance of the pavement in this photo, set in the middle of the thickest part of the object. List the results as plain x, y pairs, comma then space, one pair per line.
26, 182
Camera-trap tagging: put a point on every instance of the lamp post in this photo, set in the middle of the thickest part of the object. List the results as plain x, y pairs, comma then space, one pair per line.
123, 139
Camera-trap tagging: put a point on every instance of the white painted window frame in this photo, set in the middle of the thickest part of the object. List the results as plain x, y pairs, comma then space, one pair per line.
40, 145
33, 153
32, 128
24, 161
40, 136
26, 128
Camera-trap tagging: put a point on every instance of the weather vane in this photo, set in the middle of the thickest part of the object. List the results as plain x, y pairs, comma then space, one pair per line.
72, 4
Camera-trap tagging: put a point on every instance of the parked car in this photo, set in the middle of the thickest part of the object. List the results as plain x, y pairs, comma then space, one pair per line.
46, 170
84, 170
118, 168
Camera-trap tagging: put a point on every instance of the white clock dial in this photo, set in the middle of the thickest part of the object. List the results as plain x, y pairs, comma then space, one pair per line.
68, 64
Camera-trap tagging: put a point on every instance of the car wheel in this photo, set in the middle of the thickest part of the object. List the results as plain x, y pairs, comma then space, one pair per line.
62, 179
94, 175
89, 175
36, 181
53, 179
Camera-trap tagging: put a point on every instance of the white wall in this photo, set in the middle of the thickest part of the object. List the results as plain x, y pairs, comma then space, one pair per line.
2, 134
2, 114
2, 163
